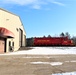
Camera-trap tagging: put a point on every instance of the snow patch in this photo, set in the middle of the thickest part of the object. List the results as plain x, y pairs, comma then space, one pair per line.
71, 61
56, 63
39, 62
67, 61
45, 51
35, 57
67, 73
52, 63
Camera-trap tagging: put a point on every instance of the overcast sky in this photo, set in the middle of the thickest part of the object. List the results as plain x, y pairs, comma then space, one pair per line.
44, 17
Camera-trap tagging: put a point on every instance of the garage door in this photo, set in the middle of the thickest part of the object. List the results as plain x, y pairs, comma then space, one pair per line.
2, 45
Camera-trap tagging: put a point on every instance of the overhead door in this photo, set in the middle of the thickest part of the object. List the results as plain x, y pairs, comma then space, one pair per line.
21, 38
2, 45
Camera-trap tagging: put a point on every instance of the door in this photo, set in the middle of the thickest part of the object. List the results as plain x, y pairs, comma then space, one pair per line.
24, 40
21, 38
2, 45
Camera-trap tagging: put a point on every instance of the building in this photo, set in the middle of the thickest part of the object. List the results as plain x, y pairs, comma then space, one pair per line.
12, 33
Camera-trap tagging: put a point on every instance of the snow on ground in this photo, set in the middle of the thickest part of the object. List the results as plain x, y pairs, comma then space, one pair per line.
67, 73
52, 63
39, 62
45, 51
71, 61
56, 63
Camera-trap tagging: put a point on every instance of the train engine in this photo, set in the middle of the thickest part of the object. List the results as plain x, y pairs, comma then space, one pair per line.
52, 41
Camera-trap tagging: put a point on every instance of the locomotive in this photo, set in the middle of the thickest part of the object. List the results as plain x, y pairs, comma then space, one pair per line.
50, 41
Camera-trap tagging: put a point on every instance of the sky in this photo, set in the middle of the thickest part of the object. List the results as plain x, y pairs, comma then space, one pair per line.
44, 17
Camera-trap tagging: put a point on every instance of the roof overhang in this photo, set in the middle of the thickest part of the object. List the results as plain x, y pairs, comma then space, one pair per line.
6, 33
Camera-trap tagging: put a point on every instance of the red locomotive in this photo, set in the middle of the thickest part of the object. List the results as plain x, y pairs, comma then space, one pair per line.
52, 41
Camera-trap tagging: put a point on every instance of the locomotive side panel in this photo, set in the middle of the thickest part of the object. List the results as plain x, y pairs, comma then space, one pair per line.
53, 41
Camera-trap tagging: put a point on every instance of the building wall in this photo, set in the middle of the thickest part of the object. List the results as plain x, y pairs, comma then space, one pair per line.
13, 23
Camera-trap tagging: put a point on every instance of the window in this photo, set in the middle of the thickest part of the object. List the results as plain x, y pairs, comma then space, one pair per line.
9, 43
13, 44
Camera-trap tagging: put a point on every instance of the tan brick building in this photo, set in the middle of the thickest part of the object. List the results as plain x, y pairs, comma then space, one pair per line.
12, 33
